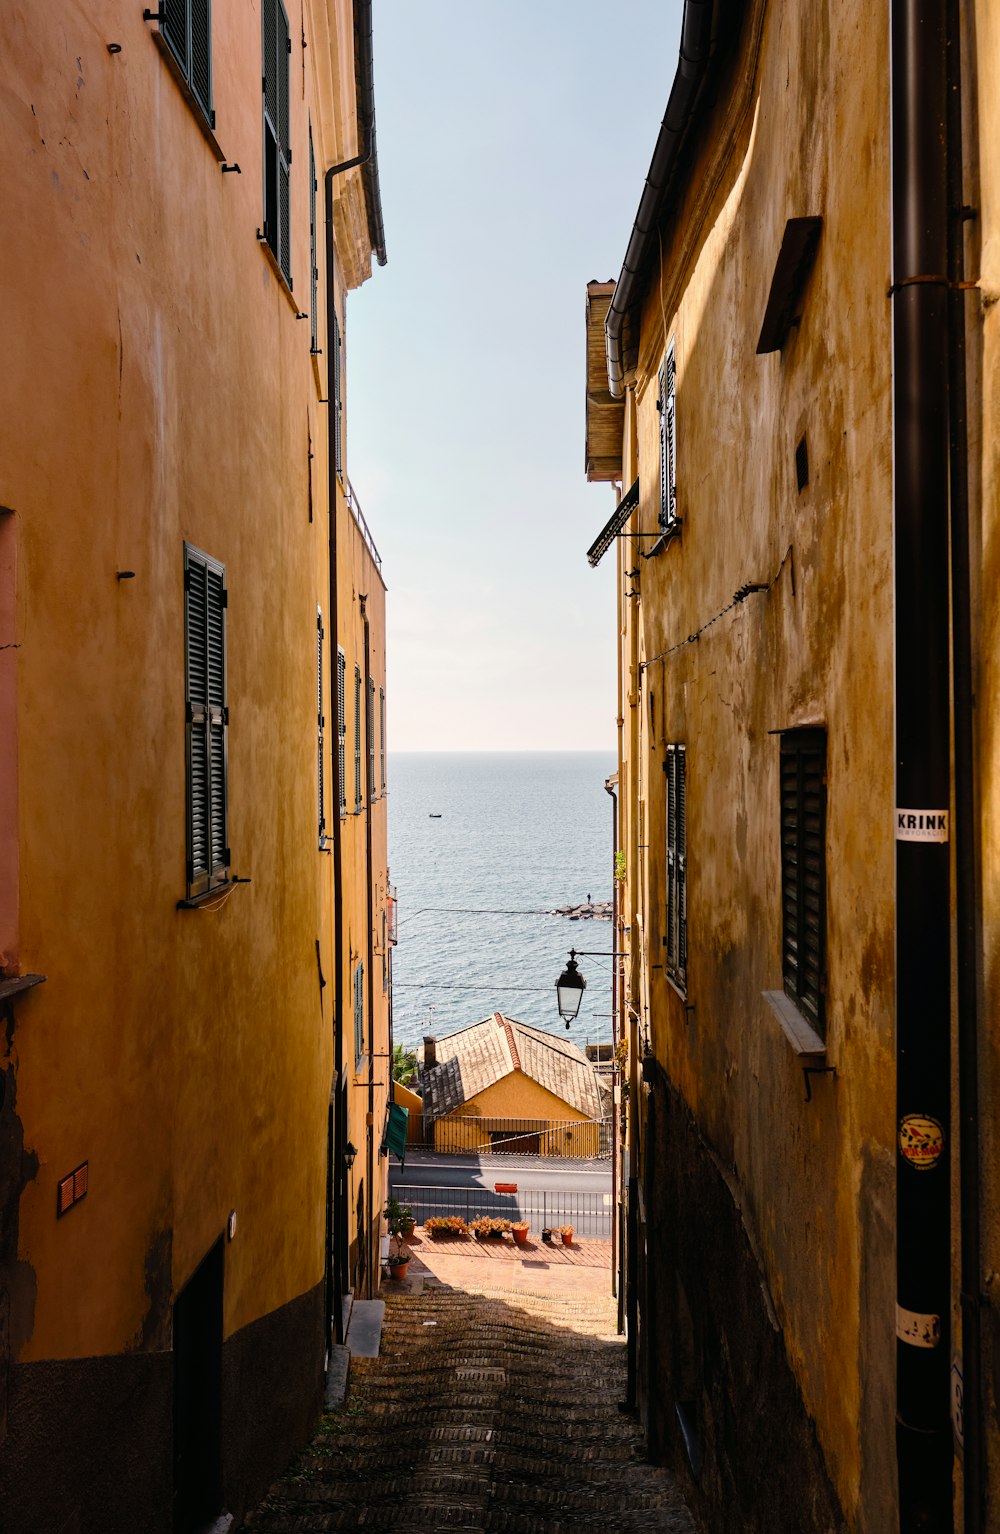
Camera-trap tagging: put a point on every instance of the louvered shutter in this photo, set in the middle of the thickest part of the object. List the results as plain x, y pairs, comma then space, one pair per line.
342, 727
381, 735
681, 848
370, 722
671, 773
338, 445
664, 476
186, 26
207, 721
320, 723
803, 870
670, 435
359, 1011
313, 267
277, 143
357, 737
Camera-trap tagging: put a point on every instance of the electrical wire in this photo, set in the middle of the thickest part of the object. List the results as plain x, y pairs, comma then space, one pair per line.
745, 591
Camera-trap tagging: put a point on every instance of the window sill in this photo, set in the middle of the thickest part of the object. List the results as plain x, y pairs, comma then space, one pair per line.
676, 986
283, 282
802, 1036
16, 985
217, 892
195, 105
360, 1068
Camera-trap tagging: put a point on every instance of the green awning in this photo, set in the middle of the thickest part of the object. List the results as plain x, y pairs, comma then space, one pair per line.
396, 1126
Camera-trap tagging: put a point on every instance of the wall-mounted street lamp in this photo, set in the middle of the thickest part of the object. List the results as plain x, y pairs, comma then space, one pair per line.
569, 990
350, 1151
571, 985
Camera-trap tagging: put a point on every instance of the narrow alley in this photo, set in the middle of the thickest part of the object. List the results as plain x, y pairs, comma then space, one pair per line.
487, 1408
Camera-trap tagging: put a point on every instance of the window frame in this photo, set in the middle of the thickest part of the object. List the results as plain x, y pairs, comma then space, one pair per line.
359, 1013
370, 731
381, 737
675, 941
203, 878
313, 253
797, 746
358, 791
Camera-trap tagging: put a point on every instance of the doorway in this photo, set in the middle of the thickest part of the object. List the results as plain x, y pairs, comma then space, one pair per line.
198, 1395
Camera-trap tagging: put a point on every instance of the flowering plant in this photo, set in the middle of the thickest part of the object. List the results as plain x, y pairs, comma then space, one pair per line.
487, 1226
446, 1225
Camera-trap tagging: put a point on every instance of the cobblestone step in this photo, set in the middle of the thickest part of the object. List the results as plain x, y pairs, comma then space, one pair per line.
501, 1416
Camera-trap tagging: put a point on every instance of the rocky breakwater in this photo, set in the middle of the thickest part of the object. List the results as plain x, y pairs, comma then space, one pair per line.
591, 910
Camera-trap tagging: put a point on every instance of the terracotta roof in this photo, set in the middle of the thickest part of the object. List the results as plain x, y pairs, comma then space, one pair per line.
477, 1057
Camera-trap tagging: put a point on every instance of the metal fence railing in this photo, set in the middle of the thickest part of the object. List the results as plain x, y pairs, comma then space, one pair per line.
588, 1213
477, 1135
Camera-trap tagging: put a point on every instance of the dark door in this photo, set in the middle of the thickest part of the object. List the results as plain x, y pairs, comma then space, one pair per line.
198, 1395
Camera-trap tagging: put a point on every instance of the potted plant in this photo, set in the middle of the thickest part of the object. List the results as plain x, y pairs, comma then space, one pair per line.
566, 1231
519, 1230
547, 1236
446, 1225
397, 1217
486, 1228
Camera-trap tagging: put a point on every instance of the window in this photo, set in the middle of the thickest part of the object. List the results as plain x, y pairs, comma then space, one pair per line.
803, 872
207, 722
313, 258
338, 408
357, 738
381, 736
359, 1012
277, 147
677, 935
342, 727
320, 725
186, 28
667, 406
370, 727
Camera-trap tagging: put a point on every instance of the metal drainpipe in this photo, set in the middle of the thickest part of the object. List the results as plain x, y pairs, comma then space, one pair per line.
923, 959
968, 904
340, 1218
616, 1211
631, 1283
374, 1220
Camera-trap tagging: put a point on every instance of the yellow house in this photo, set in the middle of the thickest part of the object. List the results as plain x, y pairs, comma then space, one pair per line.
195, 192
500, 1085
799, 366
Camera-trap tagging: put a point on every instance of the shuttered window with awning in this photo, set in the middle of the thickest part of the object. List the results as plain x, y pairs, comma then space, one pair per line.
205, 600
803, 872
186, 28
320, 727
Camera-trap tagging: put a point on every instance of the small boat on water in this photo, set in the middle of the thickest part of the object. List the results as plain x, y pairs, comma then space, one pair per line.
432, 816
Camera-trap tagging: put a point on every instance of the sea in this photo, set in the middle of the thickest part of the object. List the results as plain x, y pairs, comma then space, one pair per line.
481, 846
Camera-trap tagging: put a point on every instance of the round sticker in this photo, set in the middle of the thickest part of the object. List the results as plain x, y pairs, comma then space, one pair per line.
921, 1140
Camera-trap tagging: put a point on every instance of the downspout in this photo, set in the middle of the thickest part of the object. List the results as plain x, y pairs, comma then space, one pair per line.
374, 1219
632, 1257
968, 904
922, 766
367, 160
616, 1086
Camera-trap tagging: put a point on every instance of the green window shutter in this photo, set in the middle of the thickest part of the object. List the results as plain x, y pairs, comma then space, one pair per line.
277, 144
357, 737
803, 871
320, 722
381, 735
342, 728
338, 442
675, 768
205, 600
186, 27
370, 724
359, 1011
667, 403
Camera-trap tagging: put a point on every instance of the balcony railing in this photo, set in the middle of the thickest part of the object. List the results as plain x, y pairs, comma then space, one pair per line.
588, 1213
363, 528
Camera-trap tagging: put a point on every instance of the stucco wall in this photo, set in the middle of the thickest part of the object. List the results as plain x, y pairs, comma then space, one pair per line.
514, 1105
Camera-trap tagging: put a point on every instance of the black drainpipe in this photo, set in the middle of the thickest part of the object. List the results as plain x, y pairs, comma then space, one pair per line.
968, 905
338, 1192
609, 788
923, 960
374, 1207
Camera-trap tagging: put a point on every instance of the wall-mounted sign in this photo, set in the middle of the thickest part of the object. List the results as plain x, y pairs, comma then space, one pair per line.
921, 825
918, 1330
921, 1141
72, 1188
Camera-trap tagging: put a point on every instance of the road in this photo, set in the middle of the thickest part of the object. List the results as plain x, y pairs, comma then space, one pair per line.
550, 1191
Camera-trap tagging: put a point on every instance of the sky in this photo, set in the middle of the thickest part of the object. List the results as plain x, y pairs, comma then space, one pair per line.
513, 142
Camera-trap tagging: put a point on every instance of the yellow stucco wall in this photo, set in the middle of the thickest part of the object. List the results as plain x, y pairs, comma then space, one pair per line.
158, 388
533, 1109
804, 131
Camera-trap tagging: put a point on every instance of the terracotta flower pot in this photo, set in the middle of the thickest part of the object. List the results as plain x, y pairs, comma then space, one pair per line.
520, 1237
567, 1236
397, 1270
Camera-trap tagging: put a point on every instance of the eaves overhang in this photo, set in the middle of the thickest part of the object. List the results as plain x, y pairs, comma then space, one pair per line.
605, 416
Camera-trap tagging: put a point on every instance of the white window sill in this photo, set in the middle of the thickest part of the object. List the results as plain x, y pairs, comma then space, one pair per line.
802, 1036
